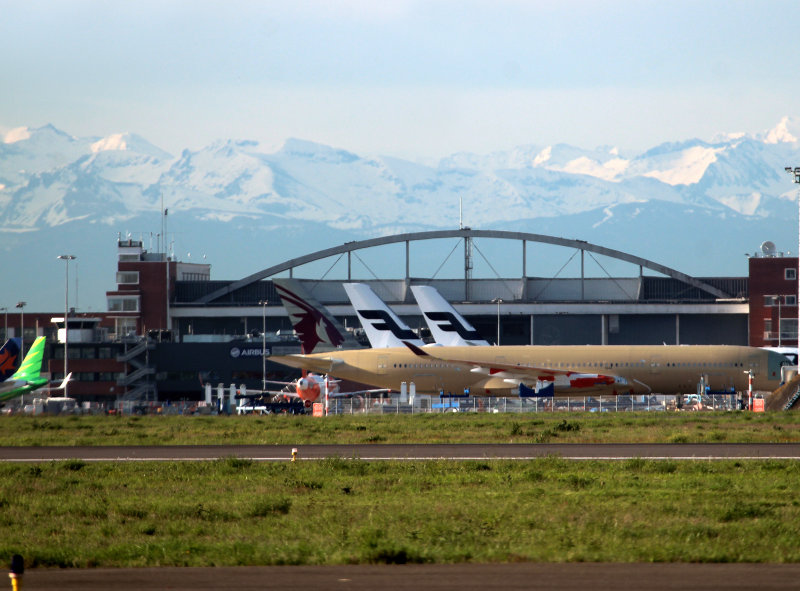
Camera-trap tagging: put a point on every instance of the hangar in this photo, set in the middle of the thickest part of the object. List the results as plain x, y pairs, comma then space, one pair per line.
169, 327
669, 308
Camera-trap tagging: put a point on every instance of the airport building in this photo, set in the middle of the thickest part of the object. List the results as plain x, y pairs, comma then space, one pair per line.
170, 328
773, 299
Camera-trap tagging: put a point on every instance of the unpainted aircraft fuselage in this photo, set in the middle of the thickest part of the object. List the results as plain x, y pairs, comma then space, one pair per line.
498, 371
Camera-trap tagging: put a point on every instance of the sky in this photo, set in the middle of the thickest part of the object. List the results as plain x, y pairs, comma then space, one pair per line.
412, 79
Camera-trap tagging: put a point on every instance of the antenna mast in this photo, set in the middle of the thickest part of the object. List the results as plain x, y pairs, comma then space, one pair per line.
164, 213
467, 250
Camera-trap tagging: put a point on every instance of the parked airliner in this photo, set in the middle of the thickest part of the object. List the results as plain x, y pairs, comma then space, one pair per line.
552, 370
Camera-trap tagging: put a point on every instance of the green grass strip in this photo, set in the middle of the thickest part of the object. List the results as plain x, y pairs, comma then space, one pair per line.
559, 427
346, 511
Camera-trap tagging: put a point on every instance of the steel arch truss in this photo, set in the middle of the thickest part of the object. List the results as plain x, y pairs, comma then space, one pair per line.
466, 234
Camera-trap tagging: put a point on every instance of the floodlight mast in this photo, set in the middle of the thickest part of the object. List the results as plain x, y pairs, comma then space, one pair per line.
795, 172
498, 301
66, 258
21, 305
263, 304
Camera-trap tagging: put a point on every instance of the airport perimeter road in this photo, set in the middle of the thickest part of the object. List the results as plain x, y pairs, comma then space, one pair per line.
276, 453
465, 577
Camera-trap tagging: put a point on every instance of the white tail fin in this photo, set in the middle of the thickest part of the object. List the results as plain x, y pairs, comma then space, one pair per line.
65, 381
383, 327
447, 326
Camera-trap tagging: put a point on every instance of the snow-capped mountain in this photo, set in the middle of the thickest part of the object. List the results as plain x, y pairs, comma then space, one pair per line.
308, 196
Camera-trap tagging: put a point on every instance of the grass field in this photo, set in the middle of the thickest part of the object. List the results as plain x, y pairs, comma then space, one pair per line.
654, 427
337, 511
236, 512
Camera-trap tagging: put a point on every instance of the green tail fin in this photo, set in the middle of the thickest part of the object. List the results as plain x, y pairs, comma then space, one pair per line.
31, 366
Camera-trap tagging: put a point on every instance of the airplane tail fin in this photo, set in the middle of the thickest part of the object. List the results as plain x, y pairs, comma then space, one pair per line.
31, 366
64, 382
9, 358
447, 326
311, 320
383, 327
418, 351
540, 391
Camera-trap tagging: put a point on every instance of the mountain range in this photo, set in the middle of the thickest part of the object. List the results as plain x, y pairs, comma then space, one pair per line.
698, 206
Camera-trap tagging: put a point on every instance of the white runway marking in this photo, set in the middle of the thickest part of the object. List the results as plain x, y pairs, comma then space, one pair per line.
401, 459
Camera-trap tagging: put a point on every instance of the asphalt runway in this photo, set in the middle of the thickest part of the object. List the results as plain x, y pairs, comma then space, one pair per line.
466, 577
375, 452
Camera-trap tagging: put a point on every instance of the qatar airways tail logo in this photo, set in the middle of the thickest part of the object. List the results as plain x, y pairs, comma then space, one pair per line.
382, 320
310, 324
448, 322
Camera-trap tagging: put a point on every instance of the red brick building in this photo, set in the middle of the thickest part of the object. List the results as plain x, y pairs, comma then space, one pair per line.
139, 303
107, 355
773, 301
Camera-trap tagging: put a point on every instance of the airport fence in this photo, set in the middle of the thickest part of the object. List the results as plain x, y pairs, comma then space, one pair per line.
434, 404
421, 404
430, 404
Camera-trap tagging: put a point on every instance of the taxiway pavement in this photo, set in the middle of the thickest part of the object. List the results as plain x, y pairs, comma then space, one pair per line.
375, 452
464, 577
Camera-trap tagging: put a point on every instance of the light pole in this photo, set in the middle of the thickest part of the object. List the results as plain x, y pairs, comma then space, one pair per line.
795, 172
67, 258
5, 334
263, 345
499, 301
21, 306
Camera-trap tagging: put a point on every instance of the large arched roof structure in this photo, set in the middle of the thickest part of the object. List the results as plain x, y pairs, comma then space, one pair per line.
466, 234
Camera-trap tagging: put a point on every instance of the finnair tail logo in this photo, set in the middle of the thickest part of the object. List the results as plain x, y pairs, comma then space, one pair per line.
381, 320
448, 322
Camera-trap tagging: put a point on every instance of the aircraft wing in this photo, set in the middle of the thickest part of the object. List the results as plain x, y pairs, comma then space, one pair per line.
359, 393
304, 388
256, 394
493, 368
563, 379
251, 394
